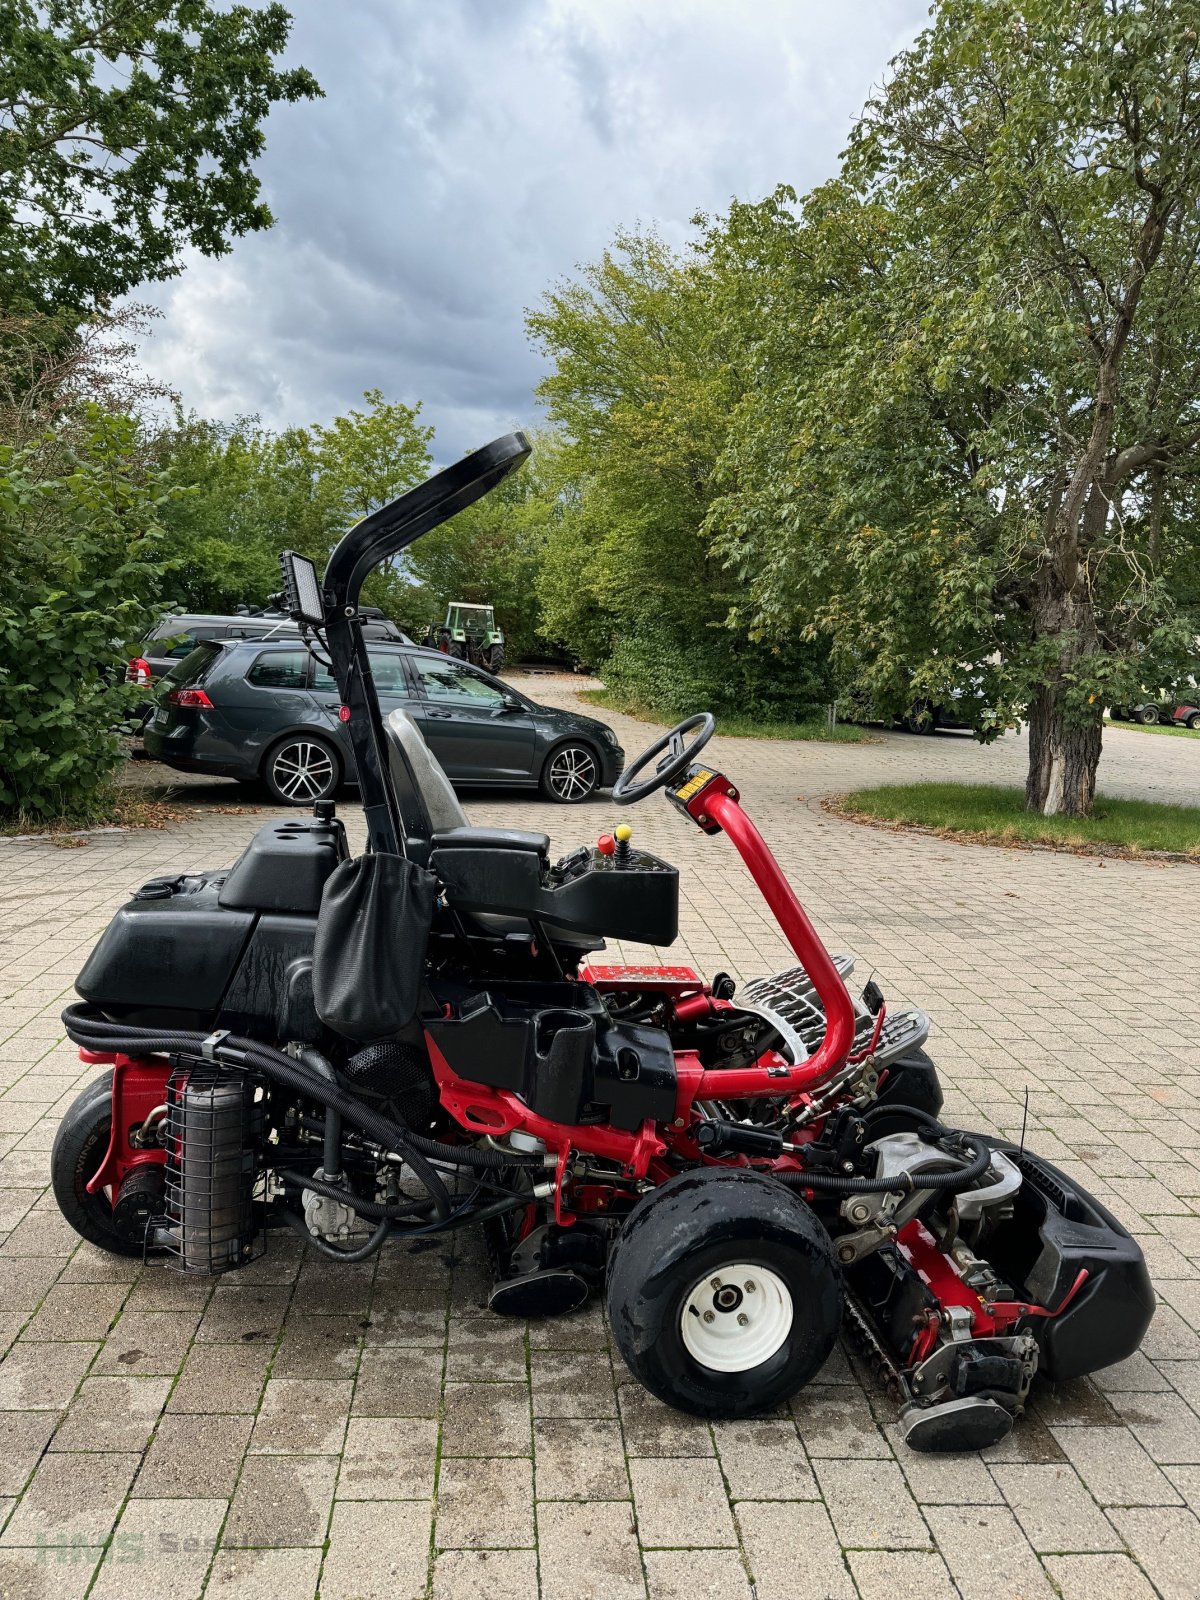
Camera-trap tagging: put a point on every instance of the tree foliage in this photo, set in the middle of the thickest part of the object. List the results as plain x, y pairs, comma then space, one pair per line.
128, 130
969, 451
642, 387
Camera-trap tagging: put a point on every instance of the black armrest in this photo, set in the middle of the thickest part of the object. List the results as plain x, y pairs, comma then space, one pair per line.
491, 839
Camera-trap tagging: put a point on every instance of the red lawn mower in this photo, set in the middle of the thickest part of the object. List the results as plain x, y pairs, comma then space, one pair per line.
426, 1037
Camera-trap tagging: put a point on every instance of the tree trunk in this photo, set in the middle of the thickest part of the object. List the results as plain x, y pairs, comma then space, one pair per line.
1064, 753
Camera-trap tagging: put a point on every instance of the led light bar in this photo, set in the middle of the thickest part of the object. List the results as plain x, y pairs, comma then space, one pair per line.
301, 591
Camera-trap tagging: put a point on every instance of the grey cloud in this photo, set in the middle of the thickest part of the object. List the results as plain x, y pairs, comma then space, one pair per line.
468, 154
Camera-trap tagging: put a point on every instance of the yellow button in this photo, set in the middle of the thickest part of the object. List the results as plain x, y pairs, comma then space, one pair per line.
623, 832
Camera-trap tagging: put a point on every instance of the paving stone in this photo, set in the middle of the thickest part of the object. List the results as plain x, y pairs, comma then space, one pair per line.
1115, 1468
901, 1575
388, 1458
148, 1343
1166, 1543
764, 1460
221, 1377
42, 1377
318, 1347
245, 1315
987, 1553
24, 1283
112, 1414
1085, 1577
75, 1311
486, 1419
264, 1575
572, 1384
73, 1498
47, 1574
163, 1547
1164, 1424
961, 1479
398, 1383
25, 1434
281, 1500
792, 1550
486, 1350
838, 1423
680, 1575
579, 1458
589, 1551
194, 1456
653, 1429
302, 1414
498, 1574
378, 1550
870, 1505
681, 1503
485, 1502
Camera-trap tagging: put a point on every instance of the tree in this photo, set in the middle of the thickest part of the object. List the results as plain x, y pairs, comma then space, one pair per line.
973, 453
128, 129
642, 387
367, 458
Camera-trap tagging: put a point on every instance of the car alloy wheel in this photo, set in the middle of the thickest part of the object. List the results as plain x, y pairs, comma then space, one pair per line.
572, 774
301, 771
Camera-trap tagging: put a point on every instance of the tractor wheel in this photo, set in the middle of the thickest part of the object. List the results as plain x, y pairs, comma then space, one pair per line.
495, 658
457, 650
724, 1293
79, 1147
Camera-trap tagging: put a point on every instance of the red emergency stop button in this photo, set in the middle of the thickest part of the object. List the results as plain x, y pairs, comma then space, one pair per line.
606, 844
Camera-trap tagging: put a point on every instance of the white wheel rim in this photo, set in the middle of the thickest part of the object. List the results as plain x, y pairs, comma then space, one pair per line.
572, 773
736, 1317
302, 771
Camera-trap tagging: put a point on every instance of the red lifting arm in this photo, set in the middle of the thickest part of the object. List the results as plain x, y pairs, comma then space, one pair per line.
811, 953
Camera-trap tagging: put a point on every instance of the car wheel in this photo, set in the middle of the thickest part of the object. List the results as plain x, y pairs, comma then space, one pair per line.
571, 774
1148, 716
301, 769
724, 1294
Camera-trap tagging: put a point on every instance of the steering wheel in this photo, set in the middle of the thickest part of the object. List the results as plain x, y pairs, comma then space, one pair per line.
678, 759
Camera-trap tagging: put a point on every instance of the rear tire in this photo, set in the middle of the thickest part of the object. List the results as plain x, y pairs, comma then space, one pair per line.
79, 1147
495, 658
1148, 717
301, 769
724, 1294
458, 651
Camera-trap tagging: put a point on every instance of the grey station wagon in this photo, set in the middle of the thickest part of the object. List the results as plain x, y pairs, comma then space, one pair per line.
260, 710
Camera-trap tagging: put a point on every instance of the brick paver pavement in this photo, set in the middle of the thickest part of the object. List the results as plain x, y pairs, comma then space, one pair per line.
372, 1432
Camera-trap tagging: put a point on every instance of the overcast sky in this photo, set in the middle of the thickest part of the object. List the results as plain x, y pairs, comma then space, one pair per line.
468, 154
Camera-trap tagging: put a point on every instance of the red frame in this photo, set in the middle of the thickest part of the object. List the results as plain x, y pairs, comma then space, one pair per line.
139, 1085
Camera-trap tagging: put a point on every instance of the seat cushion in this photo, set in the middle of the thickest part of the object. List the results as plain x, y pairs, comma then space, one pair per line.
491, 839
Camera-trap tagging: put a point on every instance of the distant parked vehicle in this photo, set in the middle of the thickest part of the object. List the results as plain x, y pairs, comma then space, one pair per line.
176, 635
469, 633
264, 711
1150, 713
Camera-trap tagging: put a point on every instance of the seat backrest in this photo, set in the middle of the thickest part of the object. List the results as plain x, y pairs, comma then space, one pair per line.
418, 771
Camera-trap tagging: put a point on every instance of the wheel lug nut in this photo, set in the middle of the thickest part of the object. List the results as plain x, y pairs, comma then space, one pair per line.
751, 1286
710, 1316
743, 1319
716, 1283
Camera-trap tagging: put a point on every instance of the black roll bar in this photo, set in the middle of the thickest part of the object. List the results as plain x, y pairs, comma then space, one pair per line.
374, 540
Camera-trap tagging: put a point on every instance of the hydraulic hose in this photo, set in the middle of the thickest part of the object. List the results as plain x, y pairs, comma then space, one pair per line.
363, 1253
821, 1182
98, 1033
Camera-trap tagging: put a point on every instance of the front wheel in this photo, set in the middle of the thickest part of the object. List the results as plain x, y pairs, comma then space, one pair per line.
1192, 722
79, 1147
495, 657
571, 774
723, 1293
300, 769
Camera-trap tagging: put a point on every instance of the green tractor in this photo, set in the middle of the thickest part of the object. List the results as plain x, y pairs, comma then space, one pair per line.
469, 633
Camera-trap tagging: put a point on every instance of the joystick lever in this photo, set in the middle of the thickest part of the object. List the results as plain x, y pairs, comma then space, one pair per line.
622, 833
